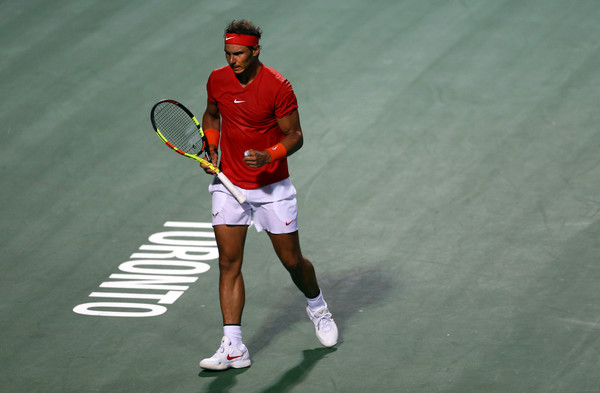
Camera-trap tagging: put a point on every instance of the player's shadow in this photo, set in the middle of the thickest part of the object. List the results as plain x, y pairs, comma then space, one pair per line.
347, 293
298, 373
223, 380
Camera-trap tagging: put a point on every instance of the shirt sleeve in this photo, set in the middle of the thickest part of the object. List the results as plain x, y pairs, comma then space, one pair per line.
209, 90
285, 100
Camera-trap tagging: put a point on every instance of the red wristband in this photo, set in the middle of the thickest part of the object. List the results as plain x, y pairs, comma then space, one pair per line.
212, 136
277, 152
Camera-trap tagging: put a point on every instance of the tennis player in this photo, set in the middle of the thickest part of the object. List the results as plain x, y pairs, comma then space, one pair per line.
253, 113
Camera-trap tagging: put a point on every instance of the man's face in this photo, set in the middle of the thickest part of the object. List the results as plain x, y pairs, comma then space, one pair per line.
240, 57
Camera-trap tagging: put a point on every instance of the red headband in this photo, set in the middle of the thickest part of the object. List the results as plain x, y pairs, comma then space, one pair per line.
241, 39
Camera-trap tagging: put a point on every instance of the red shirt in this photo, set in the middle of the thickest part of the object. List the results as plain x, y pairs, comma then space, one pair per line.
249, 121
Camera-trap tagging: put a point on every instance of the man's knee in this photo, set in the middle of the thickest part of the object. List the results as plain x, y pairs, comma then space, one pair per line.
295, 263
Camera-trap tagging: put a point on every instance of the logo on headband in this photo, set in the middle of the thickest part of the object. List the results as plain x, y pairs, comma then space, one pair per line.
241, 39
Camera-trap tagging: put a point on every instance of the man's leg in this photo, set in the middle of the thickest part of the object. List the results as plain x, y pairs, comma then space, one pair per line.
232, 352
230, 242
287, 248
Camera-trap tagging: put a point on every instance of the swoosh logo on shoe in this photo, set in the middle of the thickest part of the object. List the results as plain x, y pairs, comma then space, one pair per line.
233, 357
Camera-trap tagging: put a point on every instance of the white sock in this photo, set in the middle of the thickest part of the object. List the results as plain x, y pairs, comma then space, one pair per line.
316, 303
234, 333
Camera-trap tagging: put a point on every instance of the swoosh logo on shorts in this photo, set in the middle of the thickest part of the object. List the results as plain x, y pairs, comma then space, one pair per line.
288, 223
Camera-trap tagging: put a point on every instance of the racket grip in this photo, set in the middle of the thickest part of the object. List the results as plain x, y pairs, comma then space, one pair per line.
229, 185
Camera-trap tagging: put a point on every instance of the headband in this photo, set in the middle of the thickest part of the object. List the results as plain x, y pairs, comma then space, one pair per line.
241, 39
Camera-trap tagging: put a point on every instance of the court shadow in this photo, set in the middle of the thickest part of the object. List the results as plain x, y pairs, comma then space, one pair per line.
297, 374
223, 381
346, 292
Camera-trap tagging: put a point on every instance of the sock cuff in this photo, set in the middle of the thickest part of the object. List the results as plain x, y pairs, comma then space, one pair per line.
317, 302
234, 333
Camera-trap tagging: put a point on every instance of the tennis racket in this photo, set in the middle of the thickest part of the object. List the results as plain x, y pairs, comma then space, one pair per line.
179, 129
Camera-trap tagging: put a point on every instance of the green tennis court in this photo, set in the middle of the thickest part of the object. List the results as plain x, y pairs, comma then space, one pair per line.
449, 193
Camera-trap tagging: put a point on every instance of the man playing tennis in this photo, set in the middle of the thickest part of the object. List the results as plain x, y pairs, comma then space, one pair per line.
252, 111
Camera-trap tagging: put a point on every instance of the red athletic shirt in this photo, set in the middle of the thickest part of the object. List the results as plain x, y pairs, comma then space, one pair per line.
249, 121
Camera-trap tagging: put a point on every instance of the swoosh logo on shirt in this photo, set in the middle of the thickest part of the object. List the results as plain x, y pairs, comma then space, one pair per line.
236, 101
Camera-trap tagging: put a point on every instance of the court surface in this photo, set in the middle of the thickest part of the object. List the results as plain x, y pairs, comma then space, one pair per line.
449, 193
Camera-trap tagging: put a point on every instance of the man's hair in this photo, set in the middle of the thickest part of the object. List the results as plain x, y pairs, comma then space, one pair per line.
243, 26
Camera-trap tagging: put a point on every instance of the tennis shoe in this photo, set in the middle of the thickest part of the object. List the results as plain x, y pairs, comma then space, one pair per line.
227, 356
325, 327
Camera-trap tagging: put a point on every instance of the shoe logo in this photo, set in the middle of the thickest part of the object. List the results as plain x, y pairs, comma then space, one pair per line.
233, 357
236, 101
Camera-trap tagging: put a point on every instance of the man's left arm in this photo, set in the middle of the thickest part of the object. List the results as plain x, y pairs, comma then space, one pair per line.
292, 142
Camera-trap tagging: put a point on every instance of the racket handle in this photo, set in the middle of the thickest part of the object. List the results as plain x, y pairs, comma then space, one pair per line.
229, 185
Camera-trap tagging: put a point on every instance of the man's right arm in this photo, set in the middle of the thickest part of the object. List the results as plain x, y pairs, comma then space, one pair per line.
211, 120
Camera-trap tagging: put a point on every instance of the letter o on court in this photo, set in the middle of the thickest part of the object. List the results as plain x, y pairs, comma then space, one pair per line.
116, 309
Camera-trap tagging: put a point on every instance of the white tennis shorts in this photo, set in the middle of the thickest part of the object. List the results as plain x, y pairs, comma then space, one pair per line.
272, 208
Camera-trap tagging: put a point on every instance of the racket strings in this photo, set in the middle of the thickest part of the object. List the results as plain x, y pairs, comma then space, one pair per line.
178, 128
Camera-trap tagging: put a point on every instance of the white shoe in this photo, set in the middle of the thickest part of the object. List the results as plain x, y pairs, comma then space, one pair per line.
227, 356
325, 327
